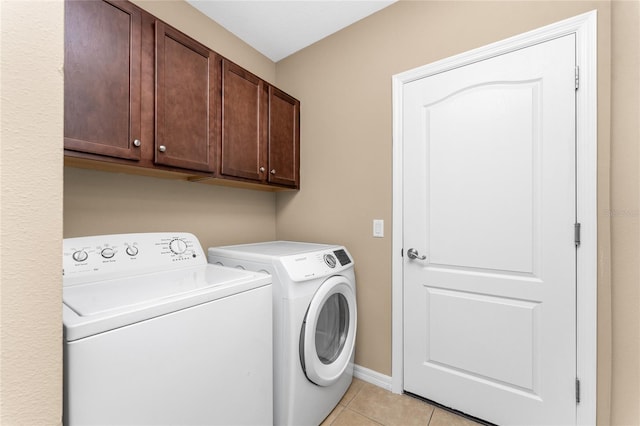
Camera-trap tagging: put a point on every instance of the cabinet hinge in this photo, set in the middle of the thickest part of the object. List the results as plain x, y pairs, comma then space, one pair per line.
577, 391
576, 233
577, 78
402, 252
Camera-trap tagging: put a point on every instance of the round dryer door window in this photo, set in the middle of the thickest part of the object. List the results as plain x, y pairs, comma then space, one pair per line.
327, 339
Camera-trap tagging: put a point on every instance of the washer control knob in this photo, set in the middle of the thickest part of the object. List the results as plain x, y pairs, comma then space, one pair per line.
108, 252
132, 250
178, 246
330, 260
80, 256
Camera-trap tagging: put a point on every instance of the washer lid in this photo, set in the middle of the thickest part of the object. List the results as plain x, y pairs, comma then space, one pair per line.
104, 305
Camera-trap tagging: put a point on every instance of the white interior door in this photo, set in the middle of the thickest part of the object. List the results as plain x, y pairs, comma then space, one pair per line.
489, 202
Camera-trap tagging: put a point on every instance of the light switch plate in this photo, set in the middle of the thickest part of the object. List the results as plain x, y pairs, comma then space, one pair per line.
378, 228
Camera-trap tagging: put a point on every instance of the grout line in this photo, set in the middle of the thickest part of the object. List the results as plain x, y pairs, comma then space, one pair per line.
431, 416
365, 416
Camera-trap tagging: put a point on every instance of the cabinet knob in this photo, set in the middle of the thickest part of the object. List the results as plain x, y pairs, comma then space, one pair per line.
273, 171
162, 148
261, 169
137, 143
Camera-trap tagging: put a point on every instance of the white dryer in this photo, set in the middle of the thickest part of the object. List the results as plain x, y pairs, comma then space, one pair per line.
154, 335
314, 322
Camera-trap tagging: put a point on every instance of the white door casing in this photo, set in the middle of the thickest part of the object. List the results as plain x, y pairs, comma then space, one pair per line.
513, 252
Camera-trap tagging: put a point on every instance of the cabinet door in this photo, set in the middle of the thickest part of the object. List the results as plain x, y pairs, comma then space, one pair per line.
244, 127
284, 138
186, 91
102, 78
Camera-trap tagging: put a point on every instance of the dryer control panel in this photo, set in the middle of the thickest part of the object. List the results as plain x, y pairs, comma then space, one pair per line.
307, 266
88, 259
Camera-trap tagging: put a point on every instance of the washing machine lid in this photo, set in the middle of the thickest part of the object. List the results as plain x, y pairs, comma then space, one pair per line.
99, 306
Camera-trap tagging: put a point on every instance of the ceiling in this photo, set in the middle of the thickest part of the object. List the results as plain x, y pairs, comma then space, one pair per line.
279, 28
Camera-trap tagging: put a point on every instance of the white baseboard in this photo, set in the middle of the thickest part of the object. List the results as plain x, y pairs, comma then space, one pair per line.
373, 377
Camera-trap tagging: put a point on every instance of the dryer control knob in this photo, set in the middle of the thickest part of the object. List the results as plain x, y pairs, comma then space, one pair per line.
178, 246
132, 250
330, 260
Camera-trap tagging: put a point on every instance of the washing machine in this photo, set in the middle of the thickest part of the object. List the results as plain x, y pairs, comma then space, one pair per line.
314, 322
155, 335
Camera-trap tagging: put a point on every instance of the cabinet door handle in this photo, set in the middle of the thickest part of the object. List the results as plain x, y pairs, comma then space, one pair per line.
162, 148
261, 169
273, 171
137, 143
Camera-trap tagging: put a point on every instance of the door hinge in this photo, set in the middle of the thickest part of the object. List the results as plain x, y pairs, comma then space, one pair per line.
577, 391
576, 233
577, 78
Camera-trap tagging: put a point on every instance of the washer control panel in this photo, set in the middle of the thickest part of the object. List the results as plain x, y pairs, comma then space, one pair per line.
307, 266
87, 259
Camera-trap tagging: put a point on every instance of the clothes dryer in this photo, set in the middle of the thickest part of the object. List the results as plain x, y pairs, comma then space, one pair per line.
314, 322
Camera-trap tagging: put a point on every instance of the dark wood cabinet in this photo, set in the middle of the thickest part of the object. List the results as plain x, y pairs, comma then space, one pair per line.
102, 78
187, 97
284, 139
244, 125
142, 97
260, 130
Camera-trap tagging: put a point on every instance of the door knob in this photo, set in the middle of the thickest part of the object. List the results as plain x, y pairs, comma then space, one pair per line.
413, 254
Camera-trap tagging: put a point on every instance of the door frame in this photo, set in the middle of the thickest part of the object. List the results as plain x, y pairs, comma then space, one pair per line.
584, 26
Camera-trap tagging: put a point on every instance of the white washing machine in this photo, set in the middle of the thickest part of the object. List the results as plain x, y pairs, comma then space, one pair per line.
154, 335
314, 320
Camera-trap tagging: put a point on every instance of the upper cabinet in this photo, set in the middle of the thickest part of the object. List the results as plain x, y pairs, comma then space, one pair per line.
244, 126
142, 97
187, 97
260, 130
102, 78
284, 139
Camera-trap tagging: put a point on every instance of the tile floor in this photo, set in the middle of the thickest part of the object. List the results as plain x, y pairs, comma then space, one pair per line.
365, 404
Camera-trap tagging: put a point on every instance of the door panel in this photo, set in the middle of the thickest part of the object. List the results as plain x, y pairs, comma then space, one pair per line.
489, 201
244, 130
494, 115
102, 78
284, 138
186, 78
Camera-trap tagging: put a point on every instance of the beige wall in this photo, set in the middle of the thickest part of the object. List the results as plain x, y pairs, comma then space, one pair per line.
111, 203
624, 212
31, 213
344, 83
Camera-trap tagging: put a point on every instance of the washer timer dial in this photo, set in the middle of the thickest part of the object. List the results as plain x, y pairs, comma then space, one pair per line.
80, 255
178, 246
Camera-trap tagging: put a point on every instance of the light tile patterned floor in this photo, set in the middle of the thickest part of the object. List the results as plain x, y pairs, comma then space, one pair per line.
365, 404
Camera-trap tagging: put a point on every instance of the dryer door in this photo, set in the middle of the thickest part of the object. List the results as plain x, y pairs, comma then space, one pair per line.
327, 339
